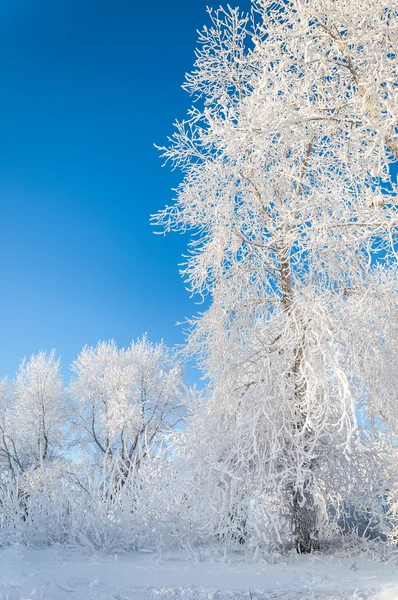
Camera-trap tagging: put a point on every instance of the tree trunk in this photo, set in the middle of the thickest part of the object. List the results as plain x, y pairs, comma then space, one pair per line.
304, 510
304, 520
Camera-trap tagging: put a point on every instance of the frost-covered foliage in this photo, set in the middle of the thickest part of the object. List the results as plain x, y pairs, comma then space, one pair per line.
289, 193
33, 415
126, 398
116, 415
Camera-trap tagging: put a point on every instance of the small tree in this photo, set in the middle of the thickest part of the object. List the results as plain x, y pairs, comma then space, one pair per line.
289, 191
33, 414
126, 398
9, 459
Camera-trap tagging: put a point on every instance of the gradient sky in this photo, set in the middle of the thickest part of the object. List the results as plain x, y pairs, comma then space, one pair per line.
88, 86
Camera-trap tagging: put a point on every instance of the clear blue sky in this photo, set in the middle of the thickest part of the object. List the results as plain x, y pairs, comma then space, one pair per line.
87, 87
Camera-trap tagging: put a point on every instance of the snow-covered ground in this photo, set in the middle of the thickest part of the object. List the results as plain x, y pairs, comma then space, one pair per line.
60, 575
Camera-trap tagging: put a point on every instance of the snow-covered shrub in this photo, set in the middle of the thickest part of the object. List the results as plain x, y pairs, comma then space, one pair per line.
35, 507
72, 504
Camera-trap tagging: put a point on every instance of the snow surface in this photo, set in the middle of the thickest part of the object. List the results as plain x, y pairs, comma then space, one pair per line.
67, 575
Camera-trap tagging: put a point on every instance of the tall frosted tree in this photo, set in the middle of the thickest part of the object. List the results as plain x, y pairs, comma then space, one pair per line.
289, 192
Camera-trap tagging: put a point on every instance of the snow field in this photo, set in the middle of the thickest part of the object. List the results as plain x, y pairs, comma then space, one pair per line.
59, 575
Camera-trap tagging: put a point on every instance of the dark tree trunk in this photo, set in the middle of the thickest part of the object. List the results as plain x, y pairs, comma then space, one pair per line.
304, 521
304, 510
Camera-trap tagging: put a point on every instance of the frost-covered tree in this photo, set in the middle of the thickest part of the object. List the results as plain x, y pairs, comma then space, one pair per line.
33, 415
8, 452
289, 192
125, 399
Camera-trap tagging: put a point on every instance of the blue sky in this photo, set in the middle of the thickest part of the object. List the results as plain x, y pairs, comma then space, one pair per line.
88, 86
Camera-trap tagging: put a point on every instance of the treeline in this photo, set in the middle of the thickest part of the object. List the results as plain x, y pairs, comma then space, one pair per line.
72, 458
127, 455
118, 405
